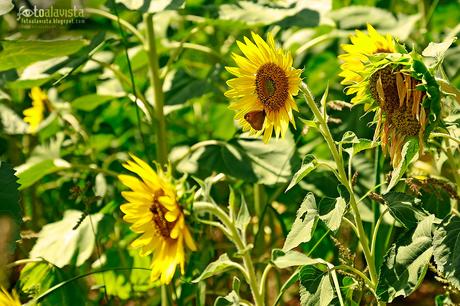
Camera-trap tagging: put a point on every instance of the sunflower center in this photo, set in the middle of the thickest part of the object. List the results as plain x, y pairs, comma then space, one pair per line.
272, 86
162, 226
382, 85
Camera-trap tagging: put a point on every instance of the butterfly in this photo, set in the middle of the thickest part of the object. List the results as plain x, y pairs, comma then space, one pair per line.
255, 119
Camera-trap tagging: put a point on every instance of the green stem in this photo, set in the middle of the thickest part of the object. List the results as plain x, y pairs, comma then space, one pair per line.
324, 129
263, 280
241, 247
157, 85
376, 230
123, 22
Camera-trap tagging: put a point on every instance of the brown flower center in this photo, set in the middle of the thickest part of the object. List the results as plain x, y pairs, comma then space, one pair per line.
272, 86
162, 226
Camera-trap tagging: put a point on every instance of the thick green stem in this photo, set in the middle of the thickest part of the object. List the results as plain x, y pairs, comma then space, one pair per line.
324, 129
158, 96
241, 247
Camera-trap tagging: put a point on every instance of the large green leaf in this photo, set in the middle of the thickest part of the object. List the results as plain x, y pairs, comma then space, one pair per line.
30, 175
309, 163
36, 278
331, 211
21, 53
447, 249
304, 223
62, 244
406, 262
244, 158
404, 208
221, 265
315, 287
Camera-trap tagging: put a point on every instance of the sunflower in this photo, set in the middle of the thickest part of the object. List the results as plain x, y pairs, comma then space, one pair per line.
34, 114
357, 56
7, 299
263, 89
397, 86
154, 212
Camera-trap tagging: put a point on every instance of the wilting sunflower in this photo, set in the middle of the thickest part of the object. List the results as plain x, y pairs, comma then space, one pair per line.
397, 86
357, 56
7, 299
34, 114
263, 89
154, 212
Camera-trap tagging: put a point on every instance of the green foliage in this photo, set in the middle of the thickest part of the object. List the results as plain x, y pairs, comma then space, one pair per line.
69, 241
446, 244
406, 262
315, 287
9, 195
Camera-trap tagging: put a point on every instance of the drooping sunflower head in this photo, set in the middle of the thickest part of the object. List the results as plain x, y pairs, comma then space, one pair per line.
357, 54
34, 115
406, 99
262, 92
7, 299
154, 212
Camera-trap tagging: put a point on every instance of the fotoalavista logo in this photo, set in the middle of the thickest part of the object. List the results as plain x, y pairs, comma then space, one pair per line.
50, 15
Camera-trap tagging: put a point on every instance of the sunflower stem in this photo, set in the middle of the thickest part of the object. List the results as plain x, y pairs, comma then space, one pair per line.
158, 96
326, 133
241, 247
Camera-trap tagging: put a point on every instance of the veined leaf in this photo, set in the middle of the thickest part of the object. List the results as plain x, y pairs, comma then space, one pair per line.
315, 287
304, 224
21, 53
447, 249
309, 164
61, 244
404, 208
406, 262
221, 265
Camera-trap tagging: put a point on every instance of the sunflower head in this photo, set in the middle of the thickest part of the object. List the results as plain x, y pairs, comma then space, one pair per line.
263, 89
152, 208
7, 299
34, 115
404, 95
357, 54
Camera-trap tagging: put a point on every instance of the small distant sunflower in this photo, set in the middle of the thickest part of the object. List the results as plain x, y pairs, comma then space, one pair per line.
34, 115
154, 212
263, 89
397, 86
357, 56
7, 299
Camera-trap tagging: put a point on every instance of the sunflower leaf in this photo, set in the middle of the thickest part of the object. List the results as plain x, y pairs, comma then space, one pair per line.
304, 224
221, 265
309, 164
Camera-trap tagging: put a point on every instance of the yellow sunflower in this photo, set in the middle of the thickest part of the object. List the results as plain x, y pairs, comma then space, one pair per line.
34, 114
154, 212
7, 299
263, 89
357, 55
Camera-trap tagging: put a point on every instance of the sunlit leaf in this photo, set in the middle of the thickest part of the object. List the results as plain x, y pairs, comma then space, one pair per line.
61, 244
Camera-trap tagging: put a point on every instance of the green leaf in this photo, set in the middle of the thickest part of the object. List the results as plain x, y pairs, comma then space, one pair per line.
406, 262
231, 299
363, 144
61, 244
309, 163
10, 122
292, 258
331, 211
162, 5
9, 195
32, 174
353, 17
438, 50
131, 4
408, 154
447, 249
244, 217
404, 208
36, 278
315, 287
21, 53
90, 102
304, 223
221, 265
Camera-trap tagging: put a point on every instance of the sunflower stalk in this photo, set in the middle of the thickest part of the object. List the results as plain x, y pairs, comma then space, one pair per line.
346, 181
158, 95
242, 247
